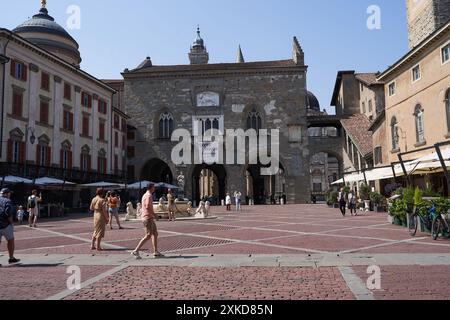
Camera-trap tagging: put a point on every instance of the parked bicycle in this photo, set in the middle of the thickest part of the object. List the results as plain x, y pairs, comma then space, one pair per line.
432, 216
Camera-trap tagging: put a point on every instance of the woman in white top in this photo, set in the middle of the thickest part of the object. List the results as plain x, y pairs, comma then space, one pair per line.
228, 202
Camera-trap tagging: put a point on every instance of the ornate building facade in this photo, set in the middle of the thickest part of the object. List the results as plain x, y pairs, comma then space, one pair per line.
56, 119
202, 96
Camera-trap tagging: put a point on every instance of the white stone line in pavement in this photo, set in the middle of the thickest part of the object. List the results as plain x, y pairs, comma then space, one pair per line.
52, 247
247, 242
105, 244
355, 284
381, 245
67, 292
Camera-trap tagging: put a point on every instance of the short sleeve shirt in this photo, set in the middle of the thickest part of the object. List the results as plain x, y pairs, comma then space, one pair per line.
6, 212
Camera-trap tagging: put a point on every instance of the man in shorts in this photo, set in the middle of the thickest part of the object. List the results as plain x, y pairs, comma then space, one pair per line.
148, 218
7, 213
33, 208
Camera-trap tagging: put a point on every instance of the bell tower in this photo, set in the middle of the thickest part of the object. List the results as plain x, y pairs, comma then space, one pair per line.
425, 17
198, 53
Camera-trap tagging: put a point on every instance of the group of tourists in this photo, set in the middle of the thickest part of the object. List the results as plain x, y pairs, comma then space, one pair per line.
347, 200
237, 200
102, 216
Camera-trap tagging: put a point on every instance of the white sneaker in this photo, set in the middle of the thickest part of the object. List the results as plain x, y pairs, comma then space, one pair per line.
136, 255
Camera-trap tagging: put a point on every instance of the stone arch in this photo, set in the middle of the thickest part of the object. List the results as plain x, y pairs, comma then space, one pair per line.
156, 170
220, 173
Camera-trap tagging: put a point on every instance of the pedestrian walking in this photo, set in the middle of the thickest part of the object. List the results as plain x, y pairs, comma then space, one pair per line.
342, 198
101, 217
113, 209
148, 219
20, 214
352, 203
7, 213
228, 202
171, 203
238, 199
33, 208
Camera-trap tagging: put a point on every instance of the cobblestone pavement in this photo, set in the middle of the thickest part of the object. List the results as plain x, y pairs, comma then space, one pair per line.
263, 252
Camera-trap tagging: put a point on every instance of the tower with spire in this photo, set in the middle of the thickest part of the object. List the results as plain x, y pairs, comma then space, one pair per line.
240, 56
198, 53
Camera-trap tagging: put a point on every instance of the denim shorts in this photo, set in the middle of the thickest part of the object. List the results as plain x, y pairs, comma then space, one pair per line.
8, 233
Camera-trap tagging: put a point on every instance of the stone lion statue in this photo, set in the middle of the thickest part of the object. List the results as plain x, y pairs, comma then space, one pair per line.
161, 206
131, 212
139, 211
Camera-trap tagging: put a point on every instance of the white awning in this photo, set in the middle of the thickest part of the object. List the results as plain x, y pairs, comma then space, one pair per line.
355, 177
340, 181
379, 174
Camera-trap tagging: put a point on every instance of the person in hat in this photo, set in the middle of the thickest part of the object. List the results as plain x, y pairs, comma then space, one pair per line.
7, 213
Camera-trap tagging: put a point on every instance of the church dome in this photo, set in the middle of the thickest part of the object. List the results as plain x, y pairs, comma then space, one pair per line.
43, 31
312, 101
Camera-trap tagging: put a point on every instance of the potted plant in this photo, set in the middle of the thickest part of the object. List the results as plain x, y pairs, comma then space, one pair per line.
364, 193
377, 200
398, 212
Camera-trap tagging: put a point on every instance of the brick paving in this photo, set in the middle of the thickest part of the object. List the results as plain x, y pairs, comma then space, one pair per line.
315, 240
219, 284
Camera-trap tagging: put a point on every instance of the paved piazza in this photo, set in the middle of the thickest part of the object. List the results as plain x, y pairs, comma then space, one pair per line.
265, 252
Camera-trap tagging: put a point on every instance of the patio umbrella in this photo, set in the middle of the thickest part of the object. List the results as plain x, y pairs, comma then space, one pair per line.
163, 185
14, 180
139, 185
105, 185
46, 181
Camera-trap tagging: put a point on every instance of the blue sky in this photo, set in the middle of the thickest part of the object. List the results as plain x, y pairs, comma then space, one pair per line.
115, 35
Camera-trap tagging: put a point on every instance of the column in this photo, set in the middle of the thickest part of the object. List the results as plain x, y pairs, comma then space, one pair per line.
94, 123
57, 120
33, 109
77, 128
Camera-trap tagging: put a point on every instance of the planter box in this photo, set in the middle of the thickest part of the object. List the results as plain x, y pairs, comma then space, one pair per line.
390, 219
397, 221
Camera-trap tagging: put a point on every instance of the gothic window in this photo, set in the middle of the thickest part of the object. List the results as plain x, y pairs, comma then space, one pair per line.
165, 126
447, 107
420, 128
395, 134
254, 120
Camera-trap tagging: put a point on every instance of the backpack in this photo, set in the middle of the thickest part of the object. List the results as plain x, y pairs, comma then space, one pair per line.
31, 202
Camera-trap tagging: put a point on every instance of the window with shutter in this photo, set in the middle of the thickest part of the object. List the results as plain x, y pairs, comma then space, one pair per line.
45, 81
44, 110
67, 91
101, 131
85, 126
116, 139
49, 156
17, 104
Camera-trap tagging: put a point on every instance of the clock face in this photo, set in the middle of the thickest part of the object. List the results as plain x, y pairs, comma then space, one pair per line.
208, 99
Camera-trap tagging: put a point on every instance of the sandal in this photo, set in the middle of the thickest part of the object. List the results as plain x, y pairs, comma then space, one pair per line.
158, 255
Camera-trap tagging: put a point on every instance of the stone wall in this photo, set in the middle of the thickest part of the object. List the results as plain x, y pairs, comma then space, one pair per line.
424, 17
280, 99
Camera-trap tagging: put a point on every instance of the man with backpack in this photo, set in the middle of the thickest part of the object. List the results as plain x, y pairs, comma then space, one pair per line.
33, 208
7, 214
